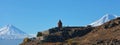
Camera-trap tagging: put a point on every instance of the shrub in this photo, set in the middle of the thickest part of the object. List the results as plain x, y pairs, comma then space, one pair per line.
89, 25
26, 40
39, 34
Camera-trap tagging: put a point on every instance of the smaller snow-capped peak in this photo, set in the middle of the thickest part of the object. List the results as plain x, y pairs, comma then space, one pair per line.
104, 19
11, 32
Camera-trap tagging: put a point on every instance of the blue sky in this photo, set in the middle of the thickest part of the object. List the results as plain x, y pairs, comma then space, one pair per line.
32, 16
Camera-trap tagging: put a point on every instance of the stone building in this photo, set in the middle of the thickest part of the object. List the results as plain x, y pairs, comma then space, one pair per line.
60, 24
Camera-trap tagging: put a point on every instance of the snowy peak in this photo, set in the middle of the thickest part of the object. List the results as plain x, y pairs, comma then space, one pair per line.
11, 32
104, 19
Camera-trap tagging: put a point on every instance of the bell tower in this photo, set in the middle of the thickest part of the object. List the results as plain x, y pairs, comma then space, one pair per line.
59, 24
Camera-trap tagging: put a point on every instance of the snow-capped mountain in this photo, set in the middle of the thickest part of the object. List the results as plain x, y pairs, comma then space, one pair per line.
104, 19
11, 32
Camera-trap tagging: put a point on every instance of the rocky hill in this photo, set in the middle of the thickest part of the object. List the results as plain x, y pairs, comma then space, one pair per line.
105, 34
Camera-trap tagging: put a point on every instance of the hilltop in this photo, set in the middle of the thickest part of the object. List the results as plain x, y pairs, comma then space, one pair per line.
105, 34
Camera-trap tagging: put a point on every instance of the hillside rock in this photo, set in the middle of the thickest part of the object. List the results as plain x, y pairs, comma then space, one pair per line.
105, 34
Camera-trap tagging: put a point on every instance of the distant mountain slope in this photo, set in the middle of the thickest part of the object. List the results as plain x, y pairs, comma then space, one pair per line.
11, 32
104, 19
